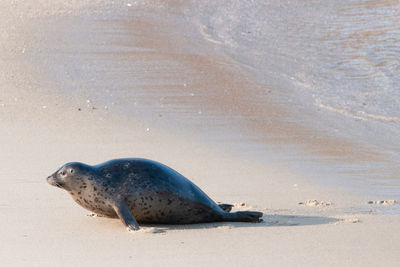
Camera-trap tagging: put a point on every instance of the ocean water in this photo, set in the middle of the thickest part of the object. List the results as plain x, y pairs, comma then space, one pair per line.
345, 54
310, 85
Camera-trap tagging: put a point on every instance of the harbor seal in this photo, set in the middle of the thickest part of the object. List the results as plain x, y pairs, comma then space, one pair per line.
141, 190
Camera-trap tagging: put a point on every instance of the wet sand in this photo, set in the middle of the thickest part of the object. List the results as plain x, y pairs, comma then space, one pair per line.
206, 126
114, 58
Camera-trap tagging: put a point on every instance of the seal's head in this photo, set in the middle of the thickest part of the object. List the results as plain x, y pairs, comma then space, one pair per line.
68, 175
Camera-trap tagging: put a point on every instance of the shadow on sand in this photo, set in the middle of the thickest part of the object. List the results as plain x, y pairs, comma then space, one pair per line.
272, 220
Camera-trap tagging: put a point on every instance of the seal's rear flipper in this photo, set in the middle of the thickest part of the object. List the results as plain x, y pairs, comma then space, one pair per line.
226, 207
244, 216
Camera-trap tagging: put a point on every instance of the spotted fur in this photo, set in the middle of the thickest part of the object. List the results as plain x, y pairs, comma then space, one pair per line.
153, 193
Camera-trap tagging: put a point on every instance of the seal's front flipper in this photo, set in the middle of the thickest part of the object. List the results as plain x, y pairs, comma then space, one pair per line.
126, 216
226, 207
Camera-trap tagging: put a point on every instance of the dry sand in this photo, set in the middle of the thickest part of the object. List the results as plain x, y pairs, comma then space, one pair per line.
42, 128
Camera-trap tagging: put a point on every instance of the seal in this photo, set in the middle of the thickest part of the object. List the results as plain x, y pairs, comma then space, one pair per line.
141, 190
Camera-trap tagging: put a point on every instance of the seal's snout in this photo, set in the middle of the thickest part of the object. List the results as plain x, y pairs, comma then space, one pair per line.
51, 180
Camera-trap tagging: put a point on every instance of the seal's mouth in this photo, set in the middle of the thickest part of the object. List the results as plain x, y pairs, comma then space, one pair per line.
52, 181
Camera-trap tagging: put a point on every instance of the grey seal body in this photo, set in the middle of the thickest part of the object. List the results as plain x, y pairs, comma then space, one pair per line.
142, 190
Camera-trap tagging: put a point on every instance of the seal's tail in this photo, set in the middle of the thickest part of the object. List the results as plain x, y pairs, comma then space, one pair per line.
244, 216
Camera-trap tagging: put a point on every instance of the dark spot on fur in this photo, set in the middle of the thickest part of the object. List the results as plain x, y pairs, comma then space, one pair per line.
94, 188
169, 201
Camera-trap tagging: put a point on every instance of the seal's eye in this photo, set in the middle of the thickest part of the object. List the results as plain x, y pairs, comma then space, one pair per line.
63, 173
71, 170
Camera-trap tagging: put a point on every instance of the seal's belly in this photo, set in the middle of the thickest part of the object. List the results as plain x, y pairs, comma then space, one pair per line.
98, 206
167, 208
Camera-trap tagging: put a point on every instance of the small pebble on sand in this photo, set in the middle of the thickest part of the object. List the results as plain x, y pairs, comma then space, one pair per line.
151, 230
348, 220
315, 203
239, 205
382, 202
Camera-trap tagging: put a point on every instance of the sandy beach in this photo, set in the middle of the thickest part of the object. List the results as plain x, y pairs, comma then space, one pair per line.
57, 62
